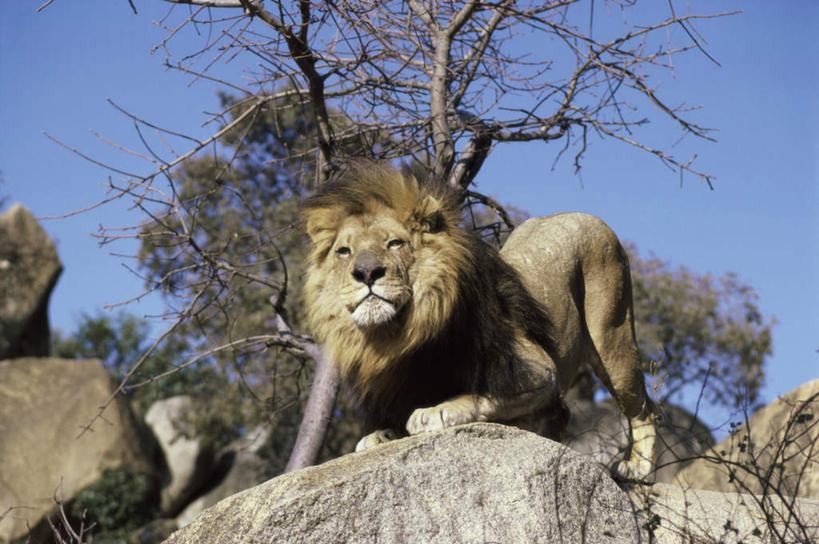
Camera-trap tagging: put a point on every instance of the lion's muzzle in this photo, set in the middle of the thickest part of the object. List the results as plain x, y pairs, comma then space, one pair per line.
368, 268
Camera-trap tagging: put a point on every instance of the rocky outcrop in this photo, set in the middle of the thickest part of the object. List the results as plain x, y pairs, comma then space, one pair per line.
190, 461
489, 483
775, 453
44, 403
240, 467
674, 515
29, 268
476, 483
600, 430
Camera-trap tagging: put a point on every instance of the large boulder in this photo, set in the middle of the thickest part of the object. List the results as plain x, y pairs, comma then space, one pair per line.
44, 404
475, 483
600, 429
190, 461
675, 515
29, 268
775, 452
489, 483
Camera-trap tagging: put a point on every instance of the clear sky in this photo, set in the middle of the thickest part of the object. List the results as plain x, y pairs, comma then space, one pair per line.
57, 69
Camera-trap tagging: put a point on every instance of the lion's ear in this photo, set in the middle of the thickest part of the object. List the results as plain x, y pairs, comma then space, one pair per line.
430, 215
319, 221
434, 223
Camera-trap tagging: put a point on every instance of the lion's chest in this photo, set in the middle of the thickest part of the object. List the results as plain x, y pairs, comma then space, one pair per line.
433, 374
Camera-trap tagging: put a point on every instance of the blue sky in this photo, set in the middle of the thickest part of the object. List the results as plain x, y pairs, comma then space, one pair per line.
57, 69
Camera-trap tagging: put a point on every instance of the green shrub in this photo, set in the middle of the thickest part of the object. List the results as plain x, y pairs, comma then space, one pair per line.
121, 500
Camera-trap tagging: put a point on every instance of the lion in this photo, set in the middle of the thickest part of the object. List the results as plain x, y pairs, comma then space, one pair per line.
431, 327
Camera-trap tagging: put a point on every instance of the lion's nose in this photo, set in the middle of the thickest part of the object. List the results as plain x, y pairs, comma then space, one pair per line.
368, 268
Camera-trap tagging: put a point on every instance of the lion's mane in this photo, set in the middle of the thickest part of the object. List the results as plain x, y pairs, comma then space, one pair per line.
457, 333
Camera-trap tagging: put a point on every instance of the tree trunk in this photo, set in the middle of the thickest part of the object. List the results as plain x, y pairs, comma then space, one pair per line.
316, 417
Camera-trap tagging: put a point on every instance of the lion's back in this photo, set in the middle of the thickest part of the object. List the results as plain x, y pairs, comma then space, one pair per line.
552, 254
554, 246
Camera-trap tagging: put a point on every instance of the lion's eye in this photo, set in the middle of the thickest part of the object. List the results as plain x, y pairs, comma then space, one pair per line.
343, 251
395, 243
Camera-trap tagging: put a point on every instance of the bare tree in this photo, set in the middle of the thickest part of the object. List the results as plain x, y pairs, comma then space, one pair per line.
438, 84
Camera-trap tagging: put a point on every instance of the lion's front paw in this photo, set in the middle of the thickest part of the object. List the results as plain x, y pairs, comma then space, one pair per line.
374, 439
447, 414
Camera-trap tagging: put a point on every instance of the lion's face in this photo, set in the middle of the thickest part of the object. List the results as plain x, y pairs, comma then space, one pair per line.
370, 263
385, 265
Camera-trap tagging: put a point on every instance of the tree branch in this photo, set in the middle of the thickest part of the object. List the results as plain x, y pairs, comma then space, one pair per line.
471, 159
301, 53
214, 3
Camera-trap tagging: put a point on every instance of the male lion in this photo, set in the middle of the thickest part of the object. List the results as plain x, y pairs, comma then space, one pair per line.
433, 328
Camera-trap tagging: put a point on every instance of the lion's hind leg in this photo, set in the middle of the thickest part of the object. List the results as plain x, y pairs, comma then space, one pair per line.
639, 462
628, 390
618, 366
615, 358
635, 404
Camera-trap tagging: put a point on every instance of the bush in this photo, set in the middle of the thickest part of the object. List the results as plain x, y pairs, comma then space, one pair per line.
120, 501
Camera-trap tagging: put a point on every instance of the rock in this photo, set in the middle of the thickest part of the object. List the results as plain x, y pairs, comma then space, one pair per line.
474, 483
489, 483
189, 461
601, 431
678, 516
776, 452
29, 268
154, 532
241, 467
43, 405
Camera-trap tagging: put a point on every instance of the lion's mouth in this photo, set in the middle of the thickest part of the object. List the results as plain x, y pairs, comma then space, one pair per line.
372, 310
372, 295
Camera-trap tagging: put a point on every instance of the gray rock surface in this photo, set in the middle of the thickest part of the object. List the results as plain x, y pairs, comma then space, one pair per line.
43, 405
776, 452
190, 461
245, 469
489, 483
29, 268
695, 516
600, 430
476, 483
